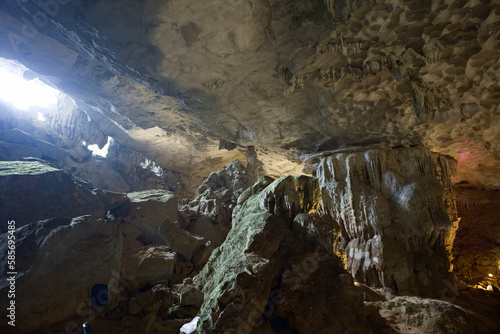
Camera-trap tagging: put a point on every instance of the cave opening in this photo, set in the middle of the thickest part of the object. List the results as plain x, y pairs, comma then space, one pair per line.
23, 89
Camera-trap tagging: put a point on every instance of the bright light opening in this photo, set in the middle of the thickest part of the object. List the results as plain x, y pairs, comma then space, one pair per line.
152, 166
24, 93
491, 275
102, 152
41, 117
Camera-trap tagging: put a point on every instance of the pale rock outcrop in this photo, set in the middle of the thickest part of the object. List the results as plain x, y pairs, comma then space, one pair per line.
210, 214
395, 208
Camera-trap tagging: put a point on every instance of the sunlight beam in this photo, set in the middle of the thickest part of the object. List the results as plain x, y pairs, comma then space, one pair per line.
22, 93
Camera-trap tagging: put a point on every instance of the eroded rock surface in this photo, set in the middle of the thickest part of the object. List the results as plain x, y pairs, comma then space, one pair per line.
395, 208
275, 271
59, 260
258, 280
288, 77
210, 214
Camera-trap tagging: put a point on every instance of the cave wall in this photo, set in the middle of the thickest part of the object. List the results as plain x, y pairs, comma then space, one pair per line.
250, 257
476, 248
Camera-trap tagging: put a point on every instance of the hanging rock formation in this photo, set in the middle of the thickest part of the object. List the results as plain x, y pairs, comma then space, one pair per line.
395, 209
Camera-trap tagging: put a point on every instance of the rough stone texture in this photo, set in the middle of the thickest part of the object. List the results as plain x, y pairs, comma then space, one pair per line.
209, 215
395, 209
148, 209
477, 244
149, 265
255, 279
59, 260
180, 240
179, 80
63, 139
419, 315
34, 190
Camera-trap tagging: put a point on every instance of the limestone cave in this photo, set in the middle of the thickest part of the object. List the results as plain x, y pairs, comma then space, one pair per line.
250, 166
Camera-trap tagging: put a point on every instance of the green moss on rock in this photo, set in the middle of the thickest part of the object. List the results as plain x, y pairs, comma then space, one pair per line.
25, 168
159, 195
249, 256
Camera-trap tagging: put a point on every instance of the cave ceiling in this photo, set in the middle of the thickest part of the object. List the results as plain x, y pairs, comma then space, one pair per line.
196, 84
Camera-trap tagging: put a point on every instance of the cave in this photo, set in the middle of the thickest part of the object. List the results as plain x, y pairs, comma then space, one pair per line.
249, 166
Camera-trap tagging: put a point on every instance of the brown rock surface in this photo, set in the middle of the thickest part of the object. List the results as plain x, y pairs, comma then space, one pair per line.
185, 87
477, 244
59, 261
419, 315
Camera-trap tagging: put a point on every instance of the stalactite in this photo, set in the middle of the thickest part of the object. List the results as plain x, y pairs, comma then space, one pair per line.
396, 208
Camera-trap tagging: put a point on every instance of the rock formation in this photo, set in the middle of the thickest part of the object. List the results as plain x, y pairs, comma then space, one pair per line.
334, 138
395, 209
34, 191
245, 74
262, 263
261, 277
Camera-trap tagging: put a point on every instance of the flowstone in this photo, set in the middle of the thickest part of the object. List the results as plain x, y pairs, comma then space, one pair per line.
395, 208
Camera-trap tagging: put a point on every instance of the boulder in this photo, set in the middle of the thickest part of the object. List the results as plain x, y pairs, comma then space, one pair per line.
180, 240
406, 314
149, 265
191, 296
